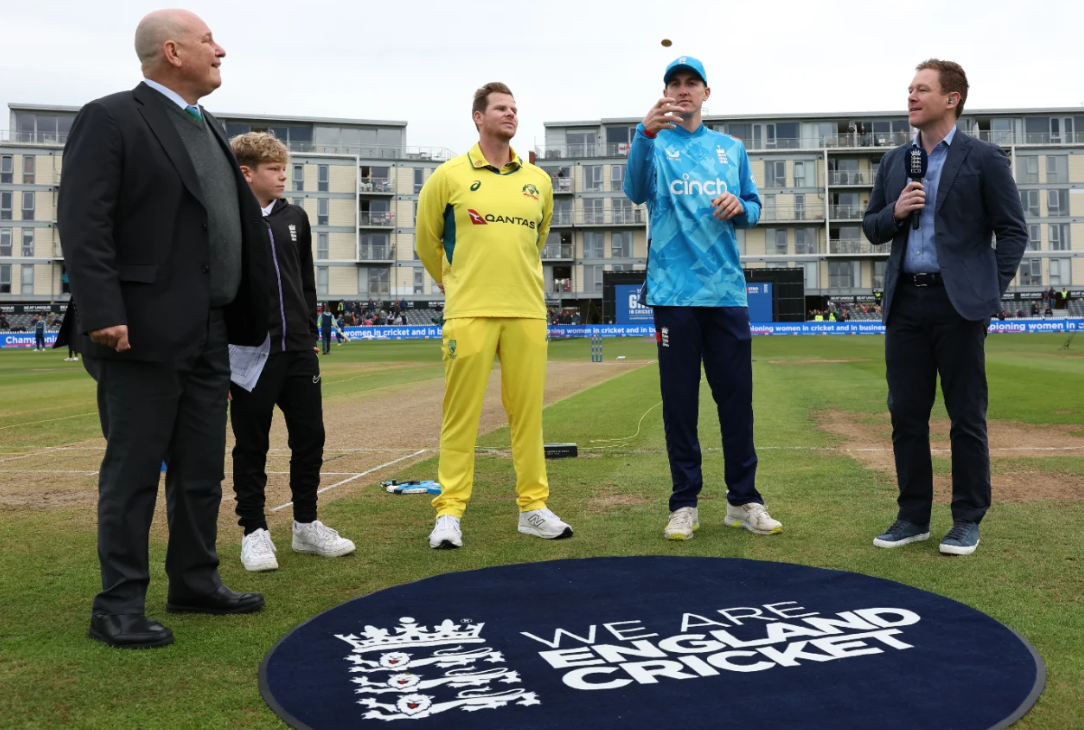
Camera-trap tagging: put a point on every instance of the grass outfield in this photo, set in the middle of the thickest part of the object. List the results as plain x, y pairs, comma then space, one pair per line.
1028, 572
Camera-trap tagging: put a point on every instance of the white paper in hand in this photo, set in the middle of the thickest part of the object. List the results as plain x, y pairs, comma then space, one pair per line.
246, 363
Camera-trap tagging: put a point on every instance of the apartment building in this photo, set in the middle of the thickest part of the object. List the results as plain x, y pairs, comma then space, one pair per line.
358, 180
815, 173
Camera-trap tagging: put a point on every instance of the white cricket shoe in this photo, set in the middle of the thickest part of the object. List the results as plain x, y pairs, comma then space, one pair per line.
258, 552
544, 524
316, 538
683, 523
753, 517
446, 535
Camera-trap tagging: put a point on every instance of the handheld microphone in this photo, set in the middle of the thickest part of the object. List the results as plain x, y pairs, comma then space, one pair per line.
916, 161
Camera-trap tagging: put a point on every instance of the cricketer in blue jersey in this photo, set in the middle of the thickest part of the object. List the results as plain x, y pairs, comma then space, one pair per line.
698, 189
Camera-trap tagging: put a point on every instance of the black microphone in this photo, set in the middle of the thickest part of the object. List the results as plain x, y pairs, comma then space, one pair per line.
917, 161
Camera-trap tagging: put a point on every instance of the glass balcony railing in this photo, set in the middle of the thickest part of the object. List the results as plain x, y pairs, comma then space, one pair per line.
581, 150
855, 246
557, 251
863, 178
778, 213
562, 184
374, 185
377, 219
370, 252
847, 212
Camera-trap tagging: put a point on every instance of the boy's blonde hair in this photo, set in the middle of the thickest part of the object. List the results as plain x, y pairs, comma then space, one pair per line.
258, 148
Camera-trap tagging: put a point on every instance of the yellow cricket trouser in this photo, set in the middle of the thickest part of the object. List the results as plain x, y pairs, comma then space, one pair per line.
469, 347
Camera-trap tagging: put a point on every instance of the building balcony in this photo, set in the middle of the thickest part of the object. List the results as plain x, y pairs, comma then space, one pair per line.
563, 185
382, 253
852, 178
792, 213
51, 139
378, 219
557, 251
846, 212
375, 185
856, 247
375, 152
855, 140
620, 217
581, 151
1006, 138
561, 286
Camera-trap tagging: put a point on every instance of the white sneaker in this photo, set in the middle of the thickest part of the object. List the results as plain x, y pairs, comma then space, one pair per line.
258, 552
544, 524
446, 535
316, 538
753, 517
683, 523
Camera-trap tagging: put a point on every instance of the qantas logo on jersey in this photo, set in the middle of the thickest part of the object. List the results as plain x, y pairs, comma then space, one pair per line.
688, 186
480, 220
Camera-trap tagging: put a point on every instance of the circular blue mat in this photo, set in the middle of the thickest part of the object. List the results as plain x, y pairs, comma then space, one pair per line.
650, 642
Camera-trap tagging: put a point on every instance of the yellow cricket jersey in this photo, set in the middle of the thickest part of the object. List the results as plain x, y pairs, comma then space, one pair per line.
480, 232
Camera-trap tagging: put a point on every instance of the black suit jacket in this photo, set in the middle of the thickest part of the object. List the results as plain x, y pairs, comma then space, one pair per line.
976, 199
133, 227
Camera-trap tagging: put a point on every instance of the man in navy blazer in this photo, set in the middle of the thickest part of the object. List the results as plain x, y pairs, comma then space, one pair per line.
943, 282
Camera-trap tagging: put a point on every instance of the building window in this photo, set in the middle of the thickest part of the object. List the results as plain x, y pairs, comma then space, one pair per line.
623, 212
27, 279
1060, 272
1031, 272
840, 274
380, 280
323, 206
299, 177
5, 241
739, 234
593, 245
799, 174
592, 278
581, 144
7, 169
1057, 169
1035, 237
299, 202
1029, 169
374, 247
777, 174
30, 168
593, 212
778, 237
805, 241
879, 274
419, 281
1057, 203
28, 242
810, 269
617, 178
321, 246
592, 178
1059, 237
768, 212
28, 205
799, 207
363, 280
419, 180
323, 178
621, 245
1030, 200
321, 280
5, 279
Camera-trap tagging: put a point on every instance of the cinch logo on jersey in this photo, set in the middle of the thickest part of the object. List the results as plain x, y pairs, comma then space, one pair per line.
688, 186
479, 220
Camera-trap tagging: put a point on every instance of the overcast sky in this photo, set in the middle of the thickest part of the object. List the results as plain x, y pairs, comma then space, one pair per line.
420, 60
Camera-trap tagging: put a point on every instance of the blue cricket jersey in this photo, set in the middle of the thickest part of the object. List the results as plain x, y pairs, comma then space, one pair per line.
693, 260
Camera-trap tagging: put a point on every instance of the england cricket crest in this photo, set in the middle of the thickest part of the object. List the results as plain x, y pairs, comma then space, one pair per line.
416, 672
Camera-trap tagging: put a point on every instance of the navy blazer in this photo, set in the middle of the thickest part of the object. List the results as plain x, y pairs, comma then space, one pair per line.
976, 199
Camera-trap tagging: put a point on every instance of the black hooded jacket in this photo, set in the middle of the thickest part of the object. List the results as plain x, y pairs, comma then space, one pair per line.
293, 280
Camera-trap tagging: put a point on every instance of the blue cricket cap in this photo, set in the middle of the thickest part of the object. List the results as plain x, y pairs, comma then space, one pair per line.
685, 63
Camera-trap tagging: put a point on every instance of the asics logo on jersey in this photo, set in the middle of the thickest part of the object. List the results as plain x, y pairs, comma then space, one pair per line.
475, 185
688, 186
476, 217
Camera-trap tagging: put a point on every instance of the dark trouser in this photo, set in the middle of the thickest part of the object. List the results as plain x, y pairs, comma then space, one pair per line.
719, 338
39, 341
150, 413
325, 339
290, 380
71, 351
926, 336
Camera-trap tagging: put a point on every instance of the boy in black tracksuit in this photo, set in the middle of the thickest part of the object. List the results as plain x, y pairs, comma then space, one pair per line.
291, 375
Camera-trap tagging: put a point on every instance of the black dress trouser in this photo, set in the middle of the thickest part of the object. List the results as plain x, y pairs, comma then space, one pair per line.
290, 380
926, 337
153, 412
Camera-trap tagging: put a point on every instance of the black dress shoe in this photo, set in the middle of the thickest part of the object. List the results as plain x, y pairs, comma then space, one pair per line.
222, 601
129, 631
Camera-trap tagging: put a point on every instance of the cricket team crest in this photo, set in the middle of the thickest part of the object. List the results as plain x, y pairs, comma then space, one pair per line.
530, 191
413, 672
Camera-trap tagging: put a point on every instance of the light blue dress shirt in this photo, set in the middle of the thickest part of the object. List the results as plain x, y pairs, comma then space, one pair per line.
171, 95
921, 255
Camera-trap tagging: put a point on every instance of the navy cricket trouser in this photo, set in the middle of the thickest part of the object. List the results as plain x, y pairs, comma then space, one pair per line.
719, 338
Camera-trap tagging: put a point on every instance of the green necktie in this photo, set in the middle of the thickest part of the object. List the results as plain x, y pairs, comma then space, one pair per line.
194, 112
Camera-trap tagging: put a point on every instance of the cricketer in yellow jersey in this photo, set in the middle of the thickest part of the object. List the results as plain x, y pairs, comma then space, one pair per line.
483, 218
